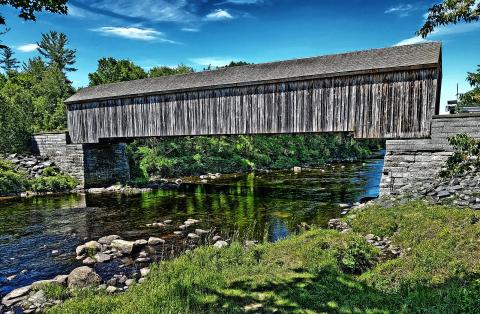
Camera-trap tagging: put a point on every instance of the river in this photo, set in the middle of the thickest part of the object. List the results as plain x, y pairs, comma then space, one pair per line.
261, 206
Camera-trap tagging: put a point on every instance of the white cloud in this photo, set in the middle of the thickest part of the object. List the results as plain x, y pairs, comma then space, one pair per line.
441, 32
402, 10
27, 47
218, 15
133, 33
213, 61
190, 29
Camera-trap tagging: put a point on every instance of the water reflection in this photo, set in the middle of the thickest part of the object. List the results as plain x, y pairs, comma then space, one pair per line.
265, 206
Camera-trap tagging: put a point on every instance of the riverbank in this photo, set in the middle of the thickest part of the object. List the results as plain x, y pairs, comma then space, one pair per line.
320, 270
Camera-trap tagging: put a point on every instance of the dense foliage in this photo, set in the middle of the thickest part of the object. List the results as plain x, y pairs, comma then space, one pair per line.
170, 157
11, 181
31, 100
466, 155
14, 182
310, 273
28, 9
472, 97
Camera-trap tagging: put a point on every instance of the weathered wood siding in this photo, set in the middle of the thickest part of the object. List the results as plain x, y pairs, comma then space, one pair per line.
383, 105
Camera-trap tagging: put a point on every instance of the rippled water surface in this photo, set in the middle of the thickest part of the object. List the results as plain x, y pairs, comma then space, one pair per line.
265, 206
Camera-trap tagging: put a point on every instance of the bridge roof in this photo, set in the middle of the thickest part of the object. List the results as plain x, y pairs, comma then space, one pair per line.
425, 55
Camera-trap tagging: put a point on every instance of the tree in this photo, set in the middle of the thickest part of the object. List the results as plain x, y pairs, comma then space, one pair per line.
9, 63
53, 46
236, 63
164, 70
111, 70
450, 12
29, 8
471, 98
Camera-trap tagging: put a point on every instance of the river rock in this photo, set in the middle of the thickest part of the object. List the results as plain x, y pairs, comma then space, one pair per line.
38, 298
80, 250
216, 238
130, 282
38, 285
89, 261
108, 239
193, 236
201, 232
82, 277
144, 271
61, 279
125, 247
220, 244
93, 246
111, 289
102, 257
178, 233
155, 241
140, 243
16, 296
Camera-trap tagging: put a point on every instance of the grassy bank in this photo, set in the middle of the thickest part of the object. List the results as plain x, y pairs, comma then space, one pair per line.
321, 271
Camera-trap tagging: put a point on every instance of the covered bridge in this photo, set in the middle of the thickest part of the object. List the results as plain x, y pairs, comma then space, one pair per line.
380, 93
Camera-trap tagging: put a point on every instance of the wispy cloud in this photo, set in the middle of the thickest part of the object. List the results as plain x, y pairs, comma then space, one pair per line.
27, 47
218, 15
190, 29
133, 33
442, 32
401, 10
212, 61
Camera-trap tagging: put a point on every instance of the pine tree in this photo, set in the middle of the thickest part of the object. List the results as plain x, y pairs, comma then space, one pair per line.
54, 48
7, 61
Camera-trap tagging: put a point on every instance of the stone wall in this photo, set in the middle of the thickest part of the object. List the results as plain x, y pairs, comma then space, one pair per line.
91, 165
410, 162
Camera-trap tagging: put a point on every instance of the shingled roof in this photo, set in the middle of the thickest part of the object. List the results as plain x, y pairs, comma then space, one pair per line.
423, 55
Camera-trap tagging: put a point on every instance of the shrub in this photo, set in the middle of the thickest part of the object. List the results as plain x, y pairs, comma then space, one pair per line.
10, 180
466, 155
53, 181
355, 255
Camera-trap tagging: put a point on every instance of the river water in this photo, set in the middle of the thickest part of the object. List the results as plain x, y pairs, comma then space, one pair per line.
261, 206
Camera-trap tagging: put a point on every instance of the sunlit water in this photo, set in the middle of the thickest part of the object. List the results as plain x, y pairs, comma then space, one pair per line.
262, 206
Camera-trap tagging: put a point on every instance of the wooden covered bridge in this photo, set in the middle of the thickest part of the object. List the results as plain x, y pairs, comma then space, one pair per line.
381, 93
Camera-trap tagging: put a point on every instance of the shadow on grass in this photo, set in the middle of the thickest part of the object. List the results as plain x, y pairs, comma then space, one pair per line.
334, 292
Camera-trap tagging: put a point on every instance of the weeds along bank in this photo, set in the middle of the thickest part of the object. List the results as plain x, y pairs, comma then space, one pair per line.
318, 270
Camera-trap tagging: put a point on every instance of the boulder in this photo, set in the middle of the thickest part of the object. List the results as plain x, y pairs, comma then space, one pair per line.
111, 289
193, 236
107, 240
155, 241
125, 247
16, 296
83, 276
61, 279
92, 247
216, 238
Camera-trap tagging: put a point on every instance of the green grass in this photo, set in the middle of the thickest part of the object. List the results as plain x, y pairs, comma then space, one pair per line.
320, 271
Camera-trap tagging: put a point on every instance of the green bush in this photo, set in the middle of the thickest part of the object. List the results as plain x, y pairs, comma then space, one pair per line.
10, 180
466, 155
355, 255
53, 181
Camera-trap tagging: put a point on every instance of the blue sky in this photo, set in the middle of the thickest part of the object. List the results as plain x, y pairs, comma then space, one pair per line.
203, 32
